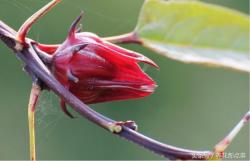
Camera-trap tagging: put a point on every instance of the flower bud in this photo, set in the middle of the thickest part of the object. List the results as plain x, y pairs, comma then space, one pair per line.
97, 71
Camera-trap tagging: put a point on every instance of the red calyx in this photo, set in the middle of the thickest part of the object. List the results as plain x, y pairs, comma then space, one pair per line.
98, 71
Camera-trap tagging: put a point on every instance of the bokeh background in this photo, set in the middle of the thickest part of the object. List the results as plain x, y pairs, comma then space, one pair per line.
193, 107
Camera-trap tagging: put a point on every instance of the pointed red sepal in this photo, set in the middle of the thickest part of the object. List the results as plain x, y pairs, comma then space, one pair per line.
73, 27
128, 54
50, 49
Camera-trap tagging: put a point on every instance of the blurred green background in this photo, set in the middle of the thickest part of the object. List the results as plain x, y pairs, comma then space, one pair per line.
193, 107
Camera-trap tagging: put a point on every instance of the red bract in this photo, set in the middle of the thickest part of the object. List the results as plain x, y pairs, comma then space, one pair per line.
98, 71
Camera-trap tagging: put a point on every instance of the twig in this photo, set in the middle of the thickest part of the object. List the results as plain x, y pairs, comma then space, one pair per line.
34, 94
226, 141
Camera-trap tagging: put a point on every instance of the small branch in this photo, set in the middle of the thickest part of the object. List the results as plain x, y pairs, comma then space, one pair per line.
34, 94
124, 39
225, 142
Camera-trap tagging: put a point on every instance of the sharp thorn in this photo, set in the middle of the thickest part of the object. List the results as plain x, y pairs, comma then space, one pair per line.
72, 29
64, 108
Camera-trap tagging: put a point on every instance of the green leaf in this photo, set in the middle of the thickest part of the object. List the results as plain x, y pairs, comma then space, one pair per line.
196, 32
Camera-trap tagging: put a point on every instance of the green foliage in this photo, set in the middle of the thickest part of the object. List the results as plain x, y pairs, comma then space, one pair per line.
196, 32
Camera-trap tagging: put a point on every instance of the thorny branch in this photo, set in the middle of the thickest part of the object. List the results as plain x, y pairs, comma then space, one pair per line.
36, 68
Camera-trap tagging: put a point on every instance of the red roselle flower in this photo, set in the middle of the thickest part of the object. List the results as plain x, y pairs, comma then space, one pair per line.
97, 71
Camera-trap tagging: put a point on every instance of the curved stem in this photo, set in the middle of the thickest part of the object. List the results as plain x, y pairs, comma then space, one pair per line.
50, 49
34, 94
22, 32
226, 141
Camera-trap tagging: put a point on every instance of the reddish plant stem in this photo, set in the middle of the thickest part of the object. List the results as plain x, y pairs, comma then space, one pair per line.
34, 95
226, 141
125, 38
